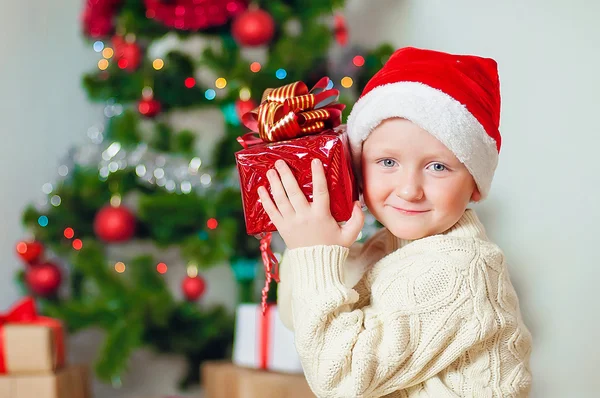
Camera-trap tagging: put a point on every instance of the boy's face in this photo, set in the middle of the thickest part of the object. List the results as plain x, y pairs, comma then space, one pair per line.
412, 183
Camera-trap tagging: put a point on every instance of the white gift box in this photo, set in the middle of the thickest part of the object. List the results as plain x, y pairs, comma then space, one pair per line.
263, 342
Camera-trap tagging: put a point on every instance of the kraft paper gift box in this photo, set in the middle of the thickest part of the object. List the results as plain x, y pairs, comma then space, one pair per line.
222, 379
68, 382
30, 343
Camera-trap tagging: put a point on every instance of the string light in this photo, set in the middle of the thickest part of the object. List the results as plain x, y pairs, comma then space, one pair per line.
347, 82
47, 188
21, 247
210, 94
69, 233
147, 92
281, 73
330, 85
255, 67
123, 63
43, 221
358, 61
190, 82
77, 244
192, 270
212, 223
221, 82
108, 52
115, 200
120, 267
245, 94
102, 64
55, 201
162, 268
98, 46
158, 64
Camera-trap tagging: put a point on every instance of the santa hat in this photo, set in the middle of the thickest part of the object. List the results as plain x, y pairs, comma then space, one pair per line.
456, 98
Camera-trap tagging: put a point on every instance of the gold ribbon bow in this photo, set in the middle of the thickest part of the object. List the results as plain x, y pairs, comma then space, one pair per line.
292, 111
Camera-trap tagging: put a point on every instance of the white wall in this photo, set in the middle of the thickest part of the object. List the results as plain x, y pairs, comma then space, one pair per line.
542, 209
43, 110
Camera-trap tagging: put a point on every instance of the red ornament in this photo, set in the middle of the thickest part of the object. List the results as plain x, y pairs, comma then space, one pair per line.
30, 252
193, 287
97, 17
149, 107
43, 279
194, 14
340, 29
114, 224
253, 28
242, 107
127, 54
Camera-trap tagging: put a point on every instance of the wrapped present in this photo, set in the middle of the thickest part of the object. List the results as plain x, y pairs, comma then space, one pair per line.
30, 343
226, 380
220, 379
296, 125
263, 342
261, 384
330, 147
68, 382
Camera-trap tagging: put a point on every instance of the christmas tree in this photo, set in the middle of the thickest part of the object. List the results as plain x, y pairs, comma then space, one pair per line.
148, 178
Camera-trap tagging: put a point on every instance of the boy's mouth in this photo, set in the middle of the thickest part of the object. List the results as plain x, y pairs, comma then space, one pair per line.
409, 212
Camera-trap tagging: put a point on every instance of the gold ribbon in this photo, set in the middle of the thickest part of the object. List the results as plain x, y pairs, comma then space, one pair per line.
292, 111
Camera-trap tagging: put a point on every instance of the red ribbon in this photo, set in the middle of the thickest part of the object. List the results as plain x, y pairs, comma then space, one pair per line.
264, 336
271, 266
24, 312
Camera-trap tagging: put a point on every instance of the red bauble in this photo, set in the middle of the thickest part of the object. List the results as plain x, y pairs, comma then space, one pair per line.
98, 17
30, 251
149, 107
127, 54
43, 279
253, 28
193, 14
193, 288
340, 30
242, 107
114, 224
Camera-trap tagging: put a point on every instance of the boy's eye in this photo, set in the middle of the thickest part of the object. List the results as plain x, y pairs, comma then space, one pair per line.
388, 162
437, 167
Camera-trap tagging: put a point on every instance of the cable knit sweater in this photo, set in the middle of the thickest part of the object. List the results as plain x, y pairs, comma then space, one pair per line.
435, 317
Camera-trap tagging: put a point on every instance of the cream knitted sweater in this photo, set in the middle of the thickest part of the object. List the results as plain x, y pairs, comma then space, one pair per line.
436, 317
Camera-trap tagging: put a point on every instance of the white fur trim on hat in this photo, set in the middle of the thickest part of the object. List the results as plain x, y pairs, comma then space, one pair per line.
434, 111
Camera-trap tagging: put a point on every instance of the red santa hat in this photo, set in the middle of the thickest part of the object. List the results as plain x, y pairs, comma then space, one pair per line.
456, 98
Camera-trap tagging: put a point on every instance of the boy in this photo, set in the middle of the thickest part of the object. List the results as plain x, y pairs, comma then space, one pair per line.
425, 308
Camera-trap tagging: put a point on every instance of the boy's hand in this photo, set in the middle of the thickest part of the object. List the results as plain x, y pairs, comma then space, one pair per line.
299, 222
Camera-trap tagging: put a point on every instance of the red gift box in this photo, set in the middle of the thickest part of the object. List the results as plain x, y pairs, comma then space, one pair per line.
295, 125
330, 147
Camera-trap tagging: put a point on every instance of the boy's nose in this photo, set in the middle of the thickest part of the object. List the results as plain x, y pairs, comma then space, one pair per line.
409, 188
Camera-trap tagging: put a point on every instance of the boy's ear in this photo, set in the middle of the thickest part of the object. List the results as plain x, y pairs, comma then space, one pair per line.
476, 196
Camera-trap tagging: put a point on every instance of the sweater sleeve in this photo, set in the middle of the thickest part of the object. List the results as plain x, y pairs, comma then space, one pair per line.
359, 257
425, 312
286, 282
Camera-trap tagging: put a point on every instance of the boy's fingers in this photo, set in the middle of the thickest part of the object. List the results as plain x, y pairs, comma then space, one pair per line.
320, 190
293, 191
279, 195
269, 206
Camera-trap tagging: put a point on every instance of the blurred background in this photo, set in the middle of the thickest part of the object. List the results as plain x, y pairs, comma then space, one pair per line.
120, 205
